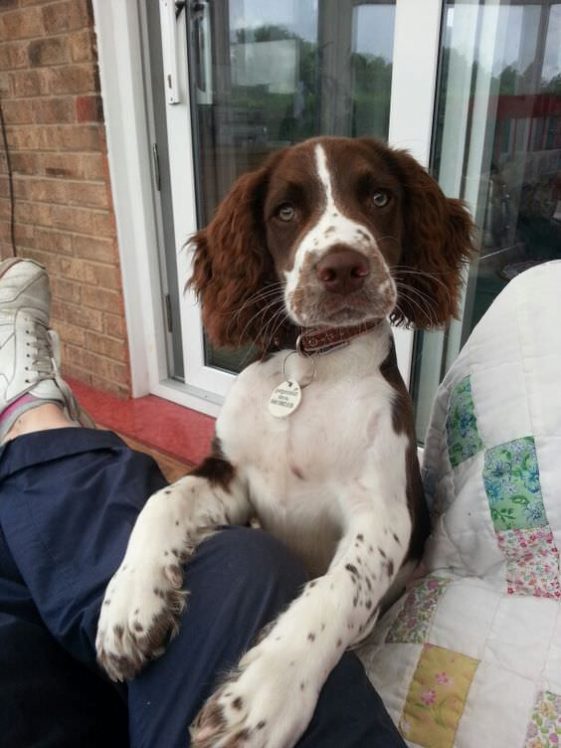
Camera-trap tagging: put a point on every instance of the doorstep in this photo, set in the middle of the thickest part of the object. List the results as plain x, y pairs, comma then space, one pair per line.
176, 436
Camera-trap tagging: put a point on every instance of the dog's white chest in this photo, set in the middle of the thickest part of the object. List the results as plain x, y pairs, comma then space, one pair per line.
300, 469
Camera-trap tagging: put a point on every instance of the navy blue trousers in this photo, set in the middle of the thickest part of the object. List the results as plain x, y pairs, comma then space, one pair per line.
68, 501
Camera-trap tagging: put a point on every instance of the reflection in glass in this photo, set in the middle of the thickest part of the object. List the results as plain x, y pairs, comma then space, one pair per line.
497, 144
265, 75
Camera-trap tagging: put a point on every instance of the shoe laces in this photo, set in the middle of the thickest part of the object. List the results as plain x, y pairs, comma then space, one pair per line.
44, 358
39, 352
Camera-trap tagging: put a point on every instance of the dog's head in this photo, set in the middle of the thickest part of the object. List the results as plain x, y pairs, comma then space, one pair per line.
329, 233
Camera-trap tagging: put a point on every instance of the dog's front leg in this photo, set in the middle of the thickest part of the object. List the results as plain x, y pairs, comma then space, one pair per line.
144, 598
269, 700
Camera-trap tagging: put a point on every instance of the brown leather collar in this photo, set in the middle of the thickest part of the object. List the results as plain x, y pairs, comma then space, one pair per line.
327, 339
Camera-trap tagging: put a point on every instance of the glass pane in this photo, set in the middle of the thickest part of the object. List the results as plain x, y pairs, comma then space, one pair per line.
497, 144
265, 75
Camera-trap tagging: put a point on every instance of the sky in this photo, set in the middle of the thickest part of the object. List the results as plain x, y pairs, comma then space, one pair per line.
373, 23
515, 42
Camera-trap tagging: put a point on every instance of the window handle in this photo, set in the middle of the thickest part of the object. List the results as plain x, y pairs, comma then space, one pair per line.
169, 50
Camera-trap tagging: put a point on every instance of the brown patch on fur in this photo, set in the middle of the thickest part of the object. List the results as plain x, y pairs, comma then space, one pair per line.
403, 423
438, 240
216, 468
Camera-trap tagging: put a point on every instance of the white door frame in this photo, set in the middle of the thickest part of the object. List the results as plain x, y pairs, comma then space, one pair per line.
118, 27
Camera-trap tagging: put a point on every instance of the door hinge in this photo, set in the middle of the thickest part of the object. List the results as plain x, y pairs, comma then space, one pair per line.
156, 165
169, 319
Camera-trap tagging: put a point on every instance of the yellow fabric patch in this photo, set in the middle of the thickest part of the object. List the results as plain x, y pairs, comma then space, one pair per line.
437, 697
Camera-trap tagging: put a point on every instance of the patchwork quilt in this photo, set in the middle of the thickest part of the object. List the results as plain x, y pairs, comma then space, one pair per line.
470, 656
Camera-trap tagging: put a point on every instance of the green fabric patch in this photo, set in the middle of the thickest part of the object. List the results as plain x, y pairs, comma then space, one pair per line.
512, 484
461, 425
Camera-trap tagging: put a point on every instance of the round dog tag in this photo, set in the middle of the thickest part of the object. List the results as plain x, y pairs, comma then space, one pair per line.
285, 399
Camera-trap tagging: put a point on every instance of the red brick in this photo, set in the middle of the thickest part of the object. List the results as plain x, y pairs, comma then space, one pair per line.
53, 110
101, 366
114, 349
101, 298
13, 55
89, 166
30, 82
115, 326
47, 51
120, 390
18, 111
78, 270
75, 372
5, 231
46, 259
89, 319
89, 109
21, 24
5, 209
39, 110
67, 291
74, 79
54, 138
53, 241
108, 277
71, 333
81, 220
66, 16
25, 235
6, 85
88, 248
5, 250
83, 46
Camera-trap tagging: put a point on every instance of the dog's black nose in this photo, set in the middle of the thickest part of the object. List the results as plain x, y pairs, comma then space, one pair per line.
343, 271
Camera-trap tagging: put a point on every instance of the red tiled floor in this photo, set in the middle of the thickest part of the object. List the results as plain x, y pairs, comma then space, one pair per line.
161, 425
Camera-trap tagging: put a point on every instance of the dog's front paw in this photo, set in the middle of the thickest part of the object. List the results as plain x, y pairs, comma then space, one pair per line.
139, 613
265, 702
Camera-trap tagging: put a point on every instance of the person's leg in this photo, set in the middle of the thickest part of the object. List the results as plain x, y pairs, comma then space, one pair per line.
48, 699
239, 580
75, 494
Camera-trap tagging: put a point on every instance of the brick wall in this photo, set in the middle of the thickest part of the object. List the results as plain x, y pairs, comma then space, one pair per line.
49, 88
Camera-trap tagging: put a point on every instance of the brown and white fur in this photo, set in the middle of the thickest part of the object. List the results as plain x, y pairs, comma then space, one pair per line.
330, 233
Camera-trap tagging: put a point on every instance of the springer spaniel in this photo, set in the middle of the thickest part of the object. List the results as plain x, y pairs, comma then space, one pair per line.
306, 258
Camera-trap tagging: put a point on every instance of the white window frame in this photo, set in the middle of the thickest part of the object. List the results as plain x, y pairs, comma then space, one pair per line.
118, 29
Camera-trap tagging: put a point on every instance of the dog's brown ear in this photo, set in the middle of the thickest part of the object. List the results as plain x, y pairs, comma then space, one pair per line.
232, 266
438, 241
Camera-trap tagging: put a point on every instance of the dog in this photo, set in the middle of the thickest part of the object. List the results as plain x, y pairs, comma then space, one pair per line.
307, 258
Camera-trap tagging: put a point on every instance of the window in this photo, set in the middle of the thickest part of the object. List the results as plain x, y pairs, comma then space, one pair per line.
497, 144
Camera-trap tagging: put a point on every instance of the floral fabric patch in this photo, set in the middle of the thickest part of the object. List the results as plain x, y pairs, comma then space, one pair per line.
437, 696
544, 729
532, 562
413, 620
461, 424
512, 483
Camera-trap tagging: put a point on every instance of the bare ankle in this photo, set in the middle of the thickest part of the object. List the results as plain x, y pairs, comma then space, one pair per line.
41, 418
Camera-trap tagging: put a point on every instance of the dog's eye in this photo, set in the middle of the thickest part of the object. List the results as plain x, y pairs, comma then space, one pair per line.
380, 198
286, 212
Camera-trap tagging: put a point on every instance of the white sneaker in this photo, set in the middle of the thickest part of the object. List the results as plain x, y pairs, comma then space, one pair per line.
29, 350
